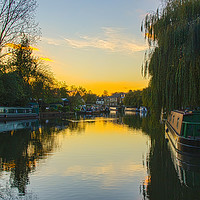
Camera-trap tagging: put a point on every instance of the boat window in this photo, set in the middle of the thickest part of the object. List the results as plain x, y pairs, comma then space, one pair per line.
11, 111
1, 110
177, 123
173, 119
20, 110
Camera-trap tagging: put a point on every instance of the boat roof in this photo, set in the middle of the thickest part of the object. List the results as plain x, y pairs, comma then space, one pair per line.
187, 112
188, 115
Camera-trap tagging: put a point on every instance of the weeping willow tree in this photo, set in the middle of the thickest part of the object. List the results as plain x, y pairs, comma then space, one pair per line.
173, 59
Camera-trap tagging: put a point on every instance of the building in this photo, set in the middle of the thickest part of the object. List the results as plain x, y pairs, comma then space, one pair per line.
116, 99
100, 101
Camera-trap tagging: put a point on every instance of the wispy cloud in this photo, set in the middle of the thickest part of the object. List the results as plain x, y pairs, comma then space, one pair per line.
52, 41
110, 39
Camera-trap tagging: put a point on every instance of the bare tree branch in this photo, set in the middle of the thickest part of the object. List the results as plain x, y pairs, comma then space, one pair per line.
17, 17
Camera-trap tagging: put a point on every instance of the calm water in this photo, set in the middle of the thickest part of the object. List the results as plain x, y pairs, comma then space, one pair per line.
107, 158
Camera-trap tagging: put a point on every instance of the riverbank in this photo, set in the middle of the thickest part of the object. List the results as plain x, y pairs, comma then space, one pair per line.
44, 115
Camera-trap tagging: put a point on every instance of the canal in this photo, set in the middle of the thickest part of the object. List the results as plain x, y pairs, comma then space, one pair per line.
111, 157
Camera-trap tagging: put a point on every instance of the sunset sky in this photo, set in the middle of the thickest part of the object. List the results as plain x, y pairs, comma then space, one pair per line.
96, 44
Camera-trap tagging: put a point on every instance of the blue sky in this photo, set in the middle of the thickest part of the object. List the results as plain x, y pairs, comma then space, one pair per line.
96, 44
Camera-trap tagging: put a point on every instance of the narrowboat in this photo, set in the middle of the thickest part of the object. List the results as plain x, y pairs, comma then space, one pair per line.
183, 131
130, 109
14, 113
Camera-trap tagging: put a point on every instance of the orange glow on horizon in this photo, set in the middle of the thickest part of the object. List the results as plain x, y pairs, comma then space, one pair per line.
112, 87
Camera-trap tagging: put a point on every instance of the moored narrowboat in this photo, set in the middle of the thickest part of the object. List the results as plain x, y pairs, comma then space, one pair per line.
183, 131
15, 113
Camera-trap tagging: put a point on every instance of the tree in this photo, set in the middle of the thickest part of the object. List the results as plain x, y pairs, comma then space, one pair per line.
173, 60
90, 98
63, 90
146, 97
76, 100
133, 98
74, 90
105, 93
11, 90
37, 81
24, 63
16, 17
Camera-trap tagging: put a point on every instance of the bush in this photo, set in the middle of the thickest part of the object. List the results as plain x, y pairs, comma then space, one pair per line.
65, 108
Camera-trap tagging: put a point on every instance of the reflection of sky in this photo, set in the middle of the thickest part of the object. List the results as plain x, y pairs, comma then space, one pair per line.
96, 44
103, 161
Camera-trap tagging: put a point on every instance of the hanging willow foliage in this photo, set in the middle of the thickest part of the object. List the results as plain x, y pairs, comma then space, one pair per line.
173, 59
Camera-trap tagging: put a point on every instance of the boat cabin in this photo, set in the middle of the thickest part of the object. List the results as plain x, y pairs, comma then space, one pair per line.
7, 113
186, 124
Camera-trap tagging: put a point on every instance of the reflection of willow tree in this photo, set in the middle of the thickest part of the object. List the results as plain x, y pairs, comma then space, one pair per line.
133, 121
161, 173
77, 127
20, 150
162, 181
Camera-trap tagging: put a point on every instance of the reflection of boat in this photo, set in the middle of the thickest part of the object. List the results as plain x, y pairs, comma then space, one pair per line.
130, 113
183, 130
16, 125
143, 109
186, 166
113, 108
143, 114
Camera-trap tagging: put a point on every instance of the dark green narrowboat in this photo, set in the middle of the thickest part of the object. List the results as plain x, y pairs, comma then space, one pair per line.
183, 131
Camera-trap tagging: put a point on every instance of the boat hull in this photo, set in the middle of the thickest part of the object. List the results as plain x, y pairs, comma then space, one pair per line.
16, 116
185, 146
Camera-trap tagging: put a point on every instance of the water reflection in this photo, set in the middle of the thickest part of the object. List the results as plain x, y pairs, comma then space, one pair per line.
22, 147
25, 144
17, 125
186, 166
168, 178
